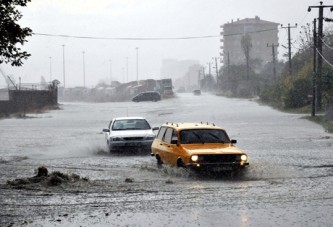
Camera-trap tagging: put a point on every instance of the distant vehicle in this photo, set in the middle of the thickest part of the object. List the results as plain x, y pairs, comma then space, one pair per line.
153, 96
129, 133
198, 146
197, 92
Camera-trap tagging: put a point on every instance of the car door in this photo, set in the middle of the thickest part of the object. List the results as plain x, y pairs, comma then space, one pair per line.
107, 134
157, 146
170, 156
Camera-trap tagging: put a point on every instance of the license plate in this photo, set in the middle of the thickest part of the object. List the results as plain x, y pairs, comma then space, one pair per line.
221, 168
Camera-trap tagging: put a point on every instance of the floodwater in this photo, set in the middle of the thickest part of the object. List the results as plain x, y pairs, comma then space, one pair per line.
289, 181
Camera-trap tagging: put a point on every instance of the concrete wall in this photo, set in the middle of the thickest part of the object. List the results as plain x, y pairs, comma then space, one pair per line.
28, 100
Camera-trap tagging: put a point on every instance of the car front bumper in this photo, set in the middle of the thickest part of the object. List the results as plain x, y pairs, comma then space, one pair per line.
130, 145
216, 167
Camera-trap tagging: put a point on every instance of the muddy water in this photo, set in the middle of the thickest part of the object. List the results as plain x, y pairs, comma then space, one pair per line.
289, 180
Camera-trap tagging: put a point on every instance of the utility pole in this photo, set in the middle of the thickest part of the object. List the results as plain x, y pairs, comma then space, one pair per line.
217, 73
313, 113
50, 68
289, 46
63, 64
137, 64
209, 69
273, 58
319, 49
199, 84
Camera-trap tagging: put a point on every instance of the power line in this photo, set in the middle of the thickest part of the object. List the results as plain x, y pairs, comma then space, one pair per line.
258, 31
125, 38
321, 8
324, 58
289, 46
146, 38
326, 44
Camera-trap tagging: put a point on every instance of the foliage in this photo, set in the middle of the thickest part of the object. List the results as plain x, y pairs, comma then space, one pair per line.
297, 95
272, 94
11, 33
328, 125
293, 91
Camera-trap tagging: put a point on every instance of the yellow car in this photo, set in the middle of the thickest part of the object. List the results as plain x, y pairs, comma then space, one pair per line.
199, 146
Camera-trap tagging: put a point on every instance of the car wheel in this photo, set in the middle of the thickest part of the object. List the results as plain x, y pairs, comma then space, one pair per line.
180, 163
159, 161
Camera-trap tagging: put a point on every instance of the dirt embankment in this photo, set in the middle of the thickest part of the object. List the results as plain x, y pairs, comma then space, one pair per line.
45, 179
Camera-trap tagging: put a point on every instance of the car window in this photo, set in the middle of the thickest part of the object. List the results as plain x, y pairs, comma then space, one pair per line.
118, 125
174, 135
141, 124
131, 124
168, 135
203, 136
161, 133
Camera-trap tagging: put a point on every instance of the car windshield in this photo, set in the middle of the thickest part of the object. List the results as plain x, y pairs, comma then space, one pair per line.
130, 124
203, 136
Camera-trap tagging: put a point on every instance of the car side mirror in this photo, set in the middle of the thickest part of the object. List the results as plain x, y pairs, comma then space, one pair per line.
233, 141
106, 130
156, 128
174, 141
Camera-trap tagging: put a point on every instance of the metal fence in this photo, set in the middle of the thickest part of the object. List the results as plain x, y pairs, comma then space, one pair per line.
31, 86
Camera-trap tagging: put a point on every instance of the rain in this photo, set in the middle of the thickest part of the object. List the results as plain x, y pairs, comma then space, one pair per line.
57, 169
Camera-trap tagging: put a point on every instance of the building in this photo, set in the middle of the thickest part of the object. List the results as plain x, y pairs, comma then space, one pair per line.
261, 33
184, 73
175, 69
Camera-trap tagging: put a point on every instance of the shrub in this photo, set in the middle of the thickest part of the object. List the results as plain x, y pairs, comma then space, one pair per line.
297, 96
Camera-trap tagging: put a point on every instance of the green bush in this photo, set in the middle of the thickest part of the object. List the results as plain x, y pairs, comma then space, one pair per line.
297, 95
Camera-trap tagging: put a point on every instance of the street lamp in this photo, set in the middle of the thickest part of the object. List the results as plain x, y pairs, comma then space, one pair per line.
127, 69
84, 70
110, 72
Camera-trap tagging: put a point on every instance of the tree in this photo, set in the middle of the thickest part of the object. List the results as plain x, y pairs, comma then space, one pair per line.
11, 33
247, 45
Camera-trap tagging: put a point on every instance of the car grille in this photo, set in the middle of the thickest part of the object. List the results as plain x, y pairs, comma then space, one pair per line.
133, 138
227, 158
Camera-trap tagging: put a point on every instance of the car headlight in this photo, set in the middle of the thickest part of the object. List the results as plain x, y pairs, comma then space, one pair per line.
194, 158
150, 137
243, 157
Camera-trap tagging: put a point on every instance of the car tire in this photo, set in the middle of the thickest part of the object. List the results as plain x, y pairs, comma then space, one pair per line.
159, 161
180, 163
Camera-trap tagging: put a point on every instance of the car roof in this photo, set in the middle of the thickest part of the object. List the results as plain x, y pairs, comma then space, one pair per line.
127, 118
201, 125
149, 92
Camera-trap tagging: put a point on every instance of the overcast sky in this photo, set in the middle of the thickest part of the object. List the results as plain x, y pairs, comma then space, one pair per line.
105, 58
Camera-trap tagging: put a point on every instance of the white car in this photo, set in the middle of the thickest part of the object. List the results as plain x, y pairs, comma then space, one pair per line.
129, 133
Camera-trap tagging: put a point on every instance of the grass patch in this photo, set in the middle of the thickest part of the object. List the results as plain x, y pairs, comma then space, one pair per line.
328, 125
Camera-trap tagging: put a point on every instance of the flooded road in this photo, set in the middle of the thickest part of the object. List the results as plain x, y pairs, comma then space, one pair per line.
289, 181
